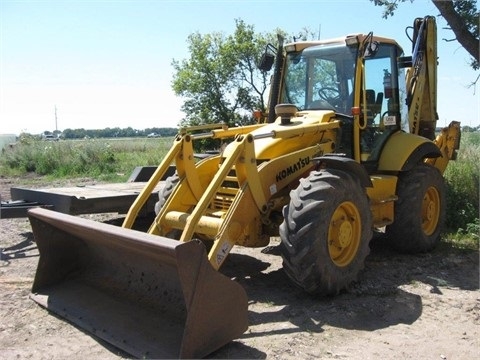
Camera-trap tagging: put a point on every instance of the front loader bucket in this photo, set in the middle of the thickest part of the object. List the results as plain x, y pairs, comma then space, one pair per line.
150, 296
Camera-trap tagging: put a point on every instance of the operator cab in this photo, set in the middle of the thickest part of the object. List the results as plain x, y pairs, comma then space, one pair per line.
319, 76
356, 77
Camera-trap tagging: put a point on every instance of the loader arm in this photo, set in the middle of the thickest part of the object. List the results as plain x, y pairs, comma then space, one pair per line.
241, 144
238, 187
181, 153
152, 183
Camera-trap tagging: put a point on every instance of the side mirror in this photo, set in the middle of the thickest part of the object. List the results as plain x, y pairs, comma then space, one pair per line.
369, 47
371, 50
266, 61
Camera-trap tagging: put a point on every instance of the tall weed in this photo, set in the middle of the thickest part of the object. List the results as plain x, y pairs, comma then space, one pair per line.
98, 158
463, 181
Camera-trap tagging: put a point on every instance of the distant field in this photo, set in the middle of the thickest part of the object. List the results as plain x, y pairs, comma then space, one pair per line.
110, 159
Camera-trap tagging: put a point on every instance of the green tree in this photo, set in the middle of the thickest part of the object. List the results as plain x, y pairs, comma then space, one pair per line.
220, 82
462, 17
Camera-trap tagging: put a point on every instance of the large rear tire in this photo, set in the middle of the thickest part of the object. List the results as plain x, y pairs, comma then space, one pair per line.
326, 231
419, 211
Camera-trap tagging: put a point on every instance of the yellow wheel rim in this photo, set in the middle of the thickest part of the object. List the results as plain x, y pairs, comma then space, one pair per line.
344, 234
430, 211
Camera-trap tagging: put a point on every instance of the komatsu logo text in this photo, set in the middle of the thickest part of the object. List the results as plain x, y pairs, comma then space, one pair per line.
292, 169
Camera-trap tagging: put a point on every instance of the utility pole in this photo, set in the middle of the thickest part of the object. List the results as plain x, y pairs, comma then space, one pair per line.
56, 123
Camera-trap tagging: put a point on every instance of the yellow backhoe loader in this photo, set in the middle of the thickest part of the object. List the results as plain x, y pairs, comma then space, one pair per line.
348, 147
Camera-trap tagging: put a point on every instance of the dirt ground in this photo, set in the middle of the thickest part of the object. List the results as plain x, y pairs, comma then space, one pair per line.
402, 307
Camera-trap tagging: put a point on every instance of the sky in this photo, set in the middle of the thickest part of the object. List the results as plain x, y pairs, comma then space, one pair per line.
97, 64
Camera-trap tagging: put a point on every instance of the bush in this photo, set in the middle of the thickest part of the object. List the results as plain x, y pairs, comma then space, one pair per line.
462, 180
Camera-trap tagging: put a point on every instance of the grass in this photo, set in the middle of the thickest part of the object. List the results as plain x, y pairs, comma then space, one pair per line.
462, 179
113, 160
463, 240
109, 160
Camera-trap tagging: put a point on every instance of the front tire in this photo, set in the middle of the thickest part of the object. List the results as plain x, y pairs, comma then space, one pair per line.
163, 195
170, 183
326, 231
419, 211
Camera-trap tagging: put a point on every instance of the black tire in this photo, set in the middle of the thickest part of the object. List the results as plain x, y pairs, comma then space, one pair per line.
166, 191
419, 211
163, 195
327, 205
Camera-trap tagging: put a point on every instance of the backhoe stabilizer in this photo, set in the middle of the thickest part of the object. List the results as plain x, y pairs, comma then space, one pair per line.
150, 296
448, 141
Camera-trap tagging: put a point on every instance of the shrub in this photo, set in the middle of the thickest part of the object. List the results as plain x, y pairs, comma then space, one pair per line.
462, 180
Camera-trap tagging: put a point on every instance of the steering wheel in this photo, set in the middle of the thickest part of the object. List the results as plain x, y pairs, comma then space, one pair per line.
330, 95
